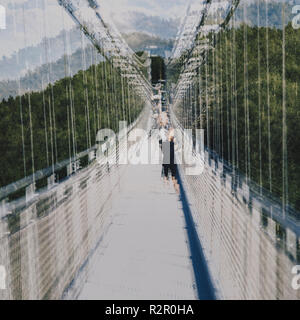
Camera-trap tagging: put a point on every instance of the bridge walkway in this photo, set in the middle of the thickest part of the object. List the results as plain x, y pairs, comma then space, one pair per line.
145, 253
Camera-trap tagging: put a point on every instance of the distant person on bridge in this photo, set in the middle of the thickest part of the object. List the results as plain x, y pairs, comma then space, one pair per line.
163, 135
169, 166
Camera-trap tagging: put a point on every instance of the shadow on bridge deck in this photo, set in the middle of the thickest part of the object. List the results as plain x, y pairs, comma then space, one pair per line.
151, 250
204, 284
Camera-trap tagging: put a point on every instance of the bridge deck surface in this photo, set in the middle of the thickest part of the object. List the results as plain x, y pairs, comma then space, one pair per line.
145, 253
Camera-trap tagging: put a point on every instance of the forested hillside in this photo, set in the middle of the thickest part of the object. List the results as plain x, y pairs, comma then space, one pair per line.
248, 103
40, 128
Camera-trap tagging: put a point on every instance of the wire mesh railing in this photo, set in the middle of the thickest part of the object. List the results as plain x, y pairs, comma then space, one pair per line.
232, 82
57, 178
250, 250
47, 239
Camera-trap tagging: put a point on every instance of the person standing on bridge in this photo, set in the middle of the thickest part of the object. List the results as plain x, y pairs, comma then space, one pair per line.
169, 166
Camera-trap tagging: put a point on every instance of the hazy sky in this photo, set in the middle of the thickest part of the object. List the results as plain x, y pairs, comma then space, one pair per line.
26, 24
33, 12
36, 27
163, 8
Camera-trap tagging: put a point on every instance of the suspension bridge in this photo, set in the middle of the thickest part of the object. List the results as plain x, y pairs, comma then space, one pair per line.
86, 215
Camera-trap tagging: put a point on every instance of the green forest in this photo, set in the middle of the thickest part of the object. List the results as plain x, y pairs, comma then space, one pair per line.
247, 98
41, 128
